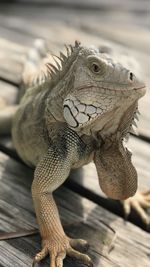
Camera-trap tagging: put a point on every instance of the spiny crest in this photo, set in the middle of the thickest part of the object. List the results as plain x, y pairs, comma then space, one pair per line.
52, 66
132, 127
62, 62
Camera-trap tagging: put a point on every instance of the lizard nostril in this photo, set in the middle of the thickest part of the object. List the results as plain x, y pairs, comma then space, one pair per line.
131, 76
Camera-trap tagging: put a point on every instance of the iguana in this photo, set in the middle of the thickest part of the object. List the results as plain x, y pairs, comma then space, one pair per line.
75, 111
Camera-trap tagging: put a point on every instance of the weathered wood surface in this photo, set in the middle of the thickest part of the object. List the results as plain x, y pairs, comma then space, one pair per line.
108, 24
86, 220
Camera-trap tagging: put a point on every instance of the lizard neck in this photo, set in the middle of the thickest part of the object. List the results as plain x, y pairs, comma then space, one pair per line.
120, 122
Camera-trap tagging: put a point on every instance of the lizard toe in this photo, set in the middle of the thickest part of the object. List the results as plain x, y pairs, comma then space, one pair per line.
58, 252
80, 257
59, 259
139, 202
40, 256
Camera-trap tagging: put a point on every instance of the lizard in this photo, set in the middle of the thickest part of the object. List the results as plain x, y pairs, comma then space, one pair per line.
75, 111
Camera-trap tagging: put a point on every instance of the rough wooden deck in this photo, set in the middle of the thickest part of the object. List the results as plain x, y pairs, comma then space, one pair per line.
124, 26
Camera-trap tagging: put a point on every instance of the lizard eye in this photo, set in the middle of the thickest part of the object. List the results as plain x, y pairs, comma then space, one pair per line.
95, 68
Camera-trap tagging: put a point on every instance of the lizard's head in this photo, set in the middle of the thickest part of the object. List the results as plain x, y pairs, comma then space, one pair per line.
102, 91
103, 102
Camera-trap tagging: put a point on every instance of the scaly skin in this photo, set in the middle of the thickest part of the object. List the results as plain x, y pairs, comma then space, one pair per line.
76, 112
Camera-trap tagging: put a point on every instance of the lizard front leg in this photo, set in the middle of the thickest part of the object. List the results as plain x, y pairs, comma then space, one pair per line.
50, 173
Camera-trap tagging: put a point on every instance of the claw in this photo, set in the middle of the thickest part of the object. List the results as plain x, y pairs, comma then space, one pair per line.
146, 192
127, 209
41, 255
59, 251
146, 202
141, 212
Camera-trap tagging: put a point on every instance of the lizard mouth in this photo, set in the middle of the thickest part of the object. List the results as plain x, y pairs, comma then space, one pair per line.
141, 90
119, 92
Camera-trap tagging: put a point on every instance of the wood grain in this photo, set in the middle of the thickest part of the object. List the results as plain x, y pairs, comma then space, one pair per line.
86, 220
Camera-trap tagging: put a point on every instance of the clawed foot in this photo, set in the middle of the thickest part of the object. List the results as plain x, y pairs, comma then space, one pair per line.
138, 202
59, 251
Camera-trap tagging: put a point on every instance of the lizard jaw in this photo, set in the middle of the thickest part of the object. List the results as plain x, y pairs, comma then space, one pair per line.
81, 108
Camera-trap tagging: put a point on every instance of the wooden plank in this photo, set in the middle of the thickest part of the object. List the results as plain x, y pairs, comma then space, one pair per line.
18, 37
12, 57
86, 219
8, 92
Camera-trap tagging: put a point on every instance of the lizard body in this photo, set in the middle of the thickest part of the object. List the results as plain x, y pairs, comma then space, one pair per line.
78, 110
